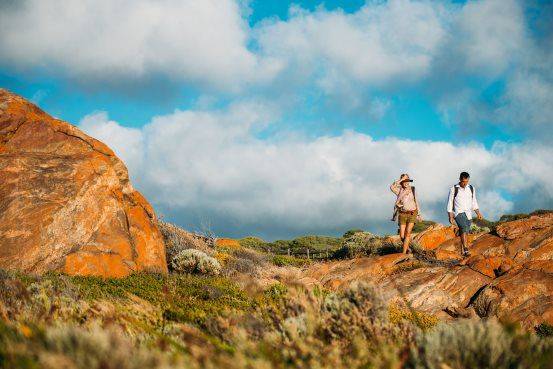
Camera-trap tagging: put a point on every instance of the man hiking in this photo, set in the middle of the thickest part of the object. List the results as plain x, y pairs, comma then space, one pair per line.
460, 204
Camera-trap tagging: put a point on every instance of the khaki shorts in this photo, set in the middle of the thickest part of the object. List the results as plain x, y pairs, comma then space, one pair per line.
405, 218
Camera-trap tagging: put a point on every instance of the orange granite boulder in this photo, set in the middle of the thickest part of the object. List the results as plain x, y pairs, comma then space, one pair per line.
66, 202
434, 236
525, 295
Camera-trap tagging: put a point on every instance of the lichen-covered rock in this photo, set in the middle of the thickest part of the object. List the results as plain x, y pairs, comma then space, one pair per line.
434, 236
66, 202
524, 295
509, 275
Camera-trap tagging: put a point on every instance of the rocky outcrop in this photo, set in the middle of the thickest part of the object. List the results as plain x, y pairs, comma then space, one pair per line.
509, 275
66, 202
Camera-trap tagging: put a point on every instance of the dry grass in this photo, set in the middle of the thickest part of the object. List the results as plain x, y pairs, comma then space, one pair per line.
187, 321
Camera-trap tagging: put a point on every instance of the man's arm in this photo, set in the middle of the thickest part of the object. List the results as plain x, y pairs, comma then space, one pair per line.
450, 206
475, 205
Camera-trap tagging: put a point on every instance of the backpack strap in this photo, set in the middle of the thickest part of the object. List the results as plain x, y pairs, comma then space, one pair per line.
415, 198
455, 195
457, 190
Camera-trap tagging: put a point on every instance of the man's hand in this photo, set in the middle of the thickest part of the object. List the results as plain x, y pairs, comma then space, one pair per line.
451, 219
419, 218
479, 215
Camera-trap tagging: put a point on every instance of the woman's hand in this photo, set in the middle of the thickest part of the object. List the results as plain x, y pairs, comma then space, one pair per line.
419, 218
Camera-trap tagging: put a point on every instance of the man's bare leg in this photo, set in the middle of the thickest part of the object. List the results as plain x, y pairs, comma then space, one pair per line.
407, 238
464, 246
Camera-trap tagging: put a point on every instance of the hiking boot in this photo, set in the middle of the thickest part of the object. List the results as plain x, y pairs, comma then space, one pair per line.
465, 253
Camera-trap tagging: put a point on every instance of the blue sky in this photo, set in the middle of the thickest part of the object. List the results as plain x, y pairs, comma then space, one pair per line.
336, 97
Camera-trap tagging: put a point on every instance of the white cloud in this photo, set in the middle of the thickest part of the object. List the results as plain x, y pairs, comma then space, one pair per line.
350, 62
202, 41
490, 35
493, 204
528, 102
379, 43
200, 163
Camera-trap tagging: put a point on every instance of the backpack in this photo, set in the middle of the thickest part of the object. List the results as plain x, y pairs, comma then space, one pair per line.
457, 190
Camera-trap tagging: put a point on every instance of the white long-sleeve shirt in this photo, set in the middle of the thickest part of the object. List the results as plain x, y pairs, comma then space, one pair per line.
465, 202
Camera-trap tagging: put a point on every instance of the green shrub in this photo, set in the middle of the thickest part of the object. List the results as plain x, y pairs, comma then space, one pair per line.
354, 311
541, 212
351, 232
475, 228
235, 266
276, 291
511, 217
422, 320
285, 260
480, 344
177, 240
364, 244
195, 261
245, 261
252, 242
421, 226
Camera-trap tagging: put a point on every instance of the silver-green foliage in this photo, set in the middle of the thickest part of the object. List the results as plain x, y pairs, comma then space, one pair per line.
479, 344
195, 261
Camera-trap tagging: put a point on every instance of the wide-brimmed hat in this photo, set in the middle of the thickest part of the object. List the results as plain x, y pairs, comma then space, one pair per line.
405, 178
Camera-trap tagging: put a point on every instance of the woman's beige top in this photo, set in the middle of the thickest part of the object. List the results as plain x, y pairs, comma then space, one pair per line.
405, 196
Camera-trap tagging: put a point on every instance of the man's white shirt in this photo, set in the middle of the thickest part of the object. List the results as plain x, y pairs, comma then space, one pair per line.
465, 201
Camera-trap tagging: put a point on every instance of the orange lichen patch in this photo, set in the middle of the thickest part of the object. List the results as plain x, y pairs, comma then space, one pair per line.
25, 330
63, 192
492, 266
434, 236
442, 254
145, 234
96, 264
488, 245
227, 243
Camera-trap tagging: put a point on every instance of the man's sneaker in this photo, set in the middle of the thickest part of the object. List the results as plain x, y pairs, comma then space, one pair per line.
465, 253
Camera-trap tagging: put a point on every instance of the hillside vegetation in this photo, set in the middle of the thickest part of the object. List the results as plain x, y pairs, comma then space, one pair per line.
234, 305
187, 321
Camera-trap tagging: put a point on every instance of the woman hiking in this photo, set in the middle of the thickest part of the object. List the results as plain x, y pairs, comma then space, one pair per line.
408, 208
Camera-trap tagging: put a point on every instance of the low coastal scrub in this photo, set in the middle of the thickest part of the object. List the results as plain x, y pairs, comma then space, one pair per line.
297, 246
483, 345
197, 321
364, 244
194, 262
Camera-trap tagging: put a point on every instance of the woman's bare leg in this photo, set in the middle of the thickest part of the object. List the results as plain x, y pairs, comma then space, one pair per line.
407, 238
402, 232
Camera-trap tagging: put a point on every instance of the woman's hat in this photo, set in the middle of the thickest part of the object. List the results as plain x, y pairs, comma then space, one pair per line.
405, 178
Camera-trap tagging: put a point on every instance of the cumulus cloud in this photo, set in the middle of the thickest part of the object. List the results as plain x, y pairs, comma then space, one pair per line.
490, 35
345, 62
197, 165
201, 41
378, 43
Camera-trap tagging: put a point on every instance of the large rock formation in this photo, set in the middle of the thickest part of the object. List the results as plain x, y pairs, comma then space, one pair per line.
509, 275
66, 202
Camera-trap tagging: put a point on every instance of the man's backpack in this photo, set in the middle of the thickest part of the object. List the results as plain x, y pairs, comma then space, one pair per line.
457, 190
